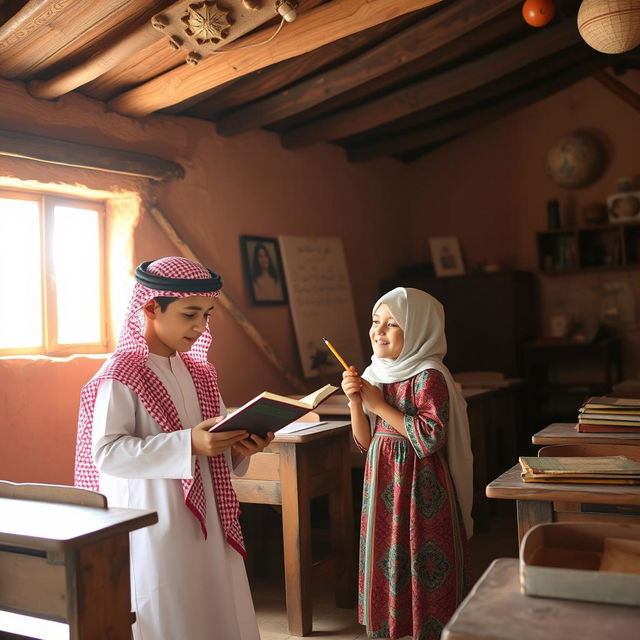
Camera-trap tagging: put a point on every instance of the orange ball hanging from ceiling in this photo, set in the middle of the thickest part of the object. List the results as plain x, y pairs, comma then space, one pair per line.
538, 13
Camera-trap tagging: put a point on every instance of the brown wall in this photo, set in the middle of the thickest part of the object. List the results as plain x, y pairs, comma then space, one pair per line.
490, 189
232, 186
487, 188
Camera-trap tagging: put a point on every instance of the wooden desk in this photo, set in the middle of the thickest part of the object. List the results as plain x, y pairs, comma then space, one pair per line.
538, 502
70, 564
295, 468
497, 610
565, 433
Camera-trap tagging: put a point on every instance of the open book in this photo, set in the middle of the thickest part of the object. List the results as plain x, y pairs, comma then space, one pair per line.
270, 412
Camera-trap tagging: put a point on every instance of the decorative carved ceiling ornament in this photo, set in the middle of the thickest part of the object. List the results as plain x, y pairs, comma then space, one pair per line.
206, 22
202, 27
197, 26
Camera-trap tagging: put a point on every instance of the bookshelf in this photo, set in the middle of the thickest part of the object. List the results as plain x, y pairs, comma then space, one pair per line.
598, 248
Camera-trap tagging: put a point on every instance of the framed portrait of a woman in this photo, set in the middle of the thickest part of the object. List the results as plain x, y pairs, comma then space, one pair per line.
263, 270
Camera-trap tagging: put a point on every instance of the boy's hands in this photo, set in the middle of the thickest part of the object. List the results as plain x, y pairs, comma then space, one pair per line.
253, 444
211, 444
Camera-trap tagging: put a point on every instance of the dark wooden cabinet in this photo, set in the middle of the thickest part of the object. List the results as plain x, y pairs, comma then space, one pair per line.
561, 375
489, 317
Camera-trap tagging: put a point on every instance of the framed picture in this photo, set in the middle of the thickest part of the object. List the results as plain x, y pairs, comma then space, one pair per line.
263, 270
446, 256
624, 206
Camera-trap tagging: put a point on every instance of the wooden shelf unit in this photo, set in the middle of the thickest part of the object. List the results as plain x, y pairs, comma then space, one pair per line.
594, 248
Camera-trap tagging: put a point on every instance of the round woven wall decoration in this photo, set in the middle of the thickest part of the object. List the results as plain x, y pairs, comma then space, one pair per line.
610, 26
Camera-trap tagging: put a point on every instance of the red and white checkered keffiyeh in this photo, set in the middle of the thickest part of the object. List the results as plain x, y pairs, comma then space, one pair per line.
128, 365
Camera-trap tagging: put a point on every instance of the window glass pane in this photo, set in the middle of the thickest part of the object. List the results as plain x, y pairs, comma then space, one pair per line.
76, 264
20, 274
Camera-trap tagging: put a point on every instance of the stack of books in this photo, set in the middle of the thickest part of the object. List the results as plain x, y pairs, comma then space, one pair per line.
609, 415
584, 470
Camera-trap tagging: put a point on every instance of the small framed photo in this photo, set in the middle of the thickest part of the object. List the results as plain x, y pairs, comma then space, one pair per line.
446, 256
624, 206
263, 270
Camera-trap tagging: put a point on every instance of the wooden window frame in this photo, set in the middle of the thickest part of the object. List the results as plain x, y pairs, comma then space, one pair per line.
50, 346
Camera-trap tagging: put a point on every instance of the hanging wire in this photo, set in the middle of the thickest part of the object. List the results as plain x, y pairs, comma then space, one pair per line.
255, 44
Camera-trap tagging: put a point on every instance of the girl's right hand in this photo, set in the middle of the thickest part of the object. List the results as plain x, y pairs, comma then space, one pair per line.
351, 385
211, 444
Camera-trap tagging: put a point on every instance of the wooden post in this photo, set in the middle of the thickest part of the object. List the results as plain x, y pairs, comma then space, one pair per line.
531, 513
617, 88
236, 314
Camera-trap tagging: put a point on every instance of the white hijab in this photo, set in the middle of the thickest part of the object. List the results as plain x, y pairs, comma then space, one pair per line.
421, 317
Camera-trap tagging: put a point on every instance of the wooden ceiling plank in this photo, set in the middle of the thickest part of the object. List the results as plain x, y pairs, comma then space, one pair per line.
426, 93
619, 89
73, 154
416, 41
484, 114
372, 141
105, 59
270, 79
325, 24
487, 37
45, 30
155, 60
96, 65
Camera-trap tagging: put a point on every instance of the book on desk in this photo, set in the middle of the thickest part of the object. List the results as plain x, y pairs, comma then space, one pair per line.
609, 415
588, 469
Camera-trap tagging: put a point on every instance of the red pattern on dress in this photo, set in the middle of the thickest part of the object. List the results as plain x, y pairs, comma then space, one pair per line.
414, 554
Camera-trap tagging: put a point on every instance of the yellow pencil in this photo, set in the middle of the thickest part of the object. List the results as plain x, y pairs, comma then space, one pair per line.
340, 359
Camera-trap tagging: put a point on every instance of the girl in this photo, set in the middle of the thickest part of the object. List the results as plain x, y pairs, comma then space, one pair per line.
416, 513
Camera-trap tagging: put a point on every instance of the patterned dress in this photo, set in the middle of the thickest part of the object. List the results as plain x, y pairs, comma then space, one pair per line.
413, 547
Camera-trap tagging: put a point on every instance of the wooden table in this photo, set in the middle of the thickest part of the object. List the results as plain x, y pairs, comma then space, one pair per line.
294, 469
565, 433
538, 502
70, 564
497, 610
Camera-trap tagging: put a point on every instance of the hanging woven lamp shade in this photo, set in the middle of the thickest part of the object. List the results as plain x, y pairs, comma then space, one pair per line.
610, 26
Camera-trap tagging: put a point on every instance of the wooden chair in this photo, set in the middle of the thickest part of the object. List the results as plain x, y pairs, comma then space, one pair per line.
59, 493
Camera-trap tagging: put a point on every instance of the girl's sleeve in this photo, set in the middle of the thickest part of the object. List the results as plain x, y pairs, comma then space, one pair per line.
427, 427
119, 452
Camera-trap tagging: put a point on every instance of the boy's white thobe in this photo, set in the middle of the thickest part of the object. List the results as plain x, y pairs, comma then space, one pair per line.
183, 586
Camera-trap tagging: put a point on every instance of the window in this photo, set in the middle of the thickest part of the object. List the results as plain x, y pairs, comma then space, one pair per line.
52, 292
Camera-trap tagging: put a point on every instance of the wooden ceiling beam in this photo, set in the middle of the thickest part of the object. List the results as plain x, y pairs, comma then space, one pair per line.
426, 93
493, 34
157, 59
619, 89
383, 140
270, 79
485, 113
325, 24
86, 156
416, 41
44, 31
144, 36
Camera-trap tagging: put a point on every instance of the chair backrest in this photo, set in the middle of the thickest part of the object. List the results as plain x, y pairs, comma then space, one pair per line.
630, 451
52, 493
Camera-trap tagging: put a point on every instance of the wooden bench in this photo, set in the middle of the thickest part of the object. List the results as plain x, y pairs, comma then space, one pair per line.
64, 556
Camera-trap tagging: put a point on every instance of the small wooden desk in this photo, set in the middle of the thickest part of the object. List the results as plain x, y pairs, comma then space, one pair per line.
69, 563
295, 468
497, 610
538, 502
565, 433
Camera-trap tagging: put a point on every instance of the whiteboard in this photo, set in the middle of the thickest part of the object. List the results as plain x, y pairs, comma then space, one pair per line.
321, 303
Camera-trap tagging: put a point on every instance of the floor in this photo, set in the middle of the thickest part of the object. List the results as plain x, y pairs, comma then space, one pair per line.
499, 541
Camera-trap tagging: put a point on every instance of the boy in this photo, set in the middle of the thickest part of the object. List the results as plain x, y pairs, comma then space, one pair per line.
143, 441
